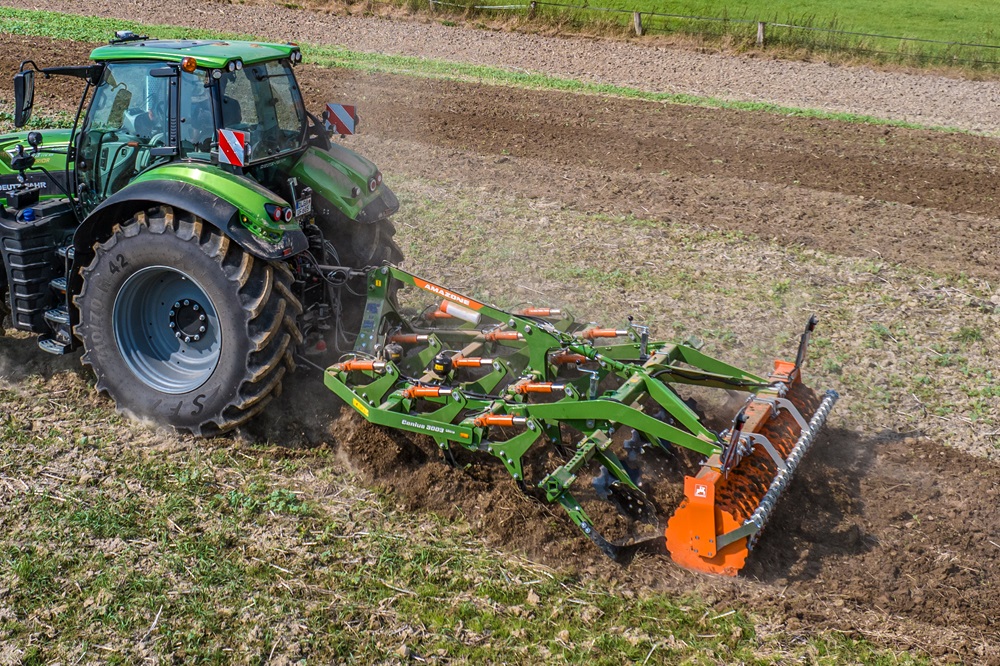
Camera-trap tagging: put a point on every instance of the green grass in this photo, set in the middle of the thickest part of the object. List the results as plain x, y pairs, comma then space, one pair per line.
120, 550
945, 20
826, 23
93, 30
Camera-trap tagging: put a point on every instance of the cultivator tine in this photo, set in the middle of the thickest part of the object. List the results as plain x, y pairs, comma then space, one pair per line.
471, 375
632, 503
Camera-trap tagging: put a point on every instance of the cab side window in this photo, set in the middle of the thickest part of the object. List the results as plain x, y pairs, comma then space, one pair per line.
197, 116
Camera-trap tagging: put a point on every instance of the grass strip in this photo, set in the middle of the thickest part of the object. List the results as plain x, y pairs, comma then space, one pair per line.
92, 29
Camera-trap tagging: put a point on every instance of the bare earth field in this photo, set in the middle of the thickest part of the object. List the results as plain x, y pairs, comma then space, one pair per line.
890, 529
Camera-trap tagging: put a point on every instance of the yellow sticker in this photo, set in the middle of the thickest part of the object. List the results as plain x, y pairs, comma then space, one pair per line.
464, 435
378, 283
360, 407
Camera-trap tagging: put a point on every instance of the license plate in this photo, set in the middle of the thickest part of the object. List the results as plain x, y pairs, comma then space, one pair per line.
303, 206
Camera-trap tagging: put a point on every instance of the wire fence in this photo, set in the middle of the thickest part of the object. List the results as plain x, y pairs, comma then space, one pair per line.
769, 33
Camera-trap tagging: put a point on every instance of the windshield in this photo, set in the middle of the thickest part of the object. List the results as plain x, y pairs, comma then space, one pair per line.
264, 101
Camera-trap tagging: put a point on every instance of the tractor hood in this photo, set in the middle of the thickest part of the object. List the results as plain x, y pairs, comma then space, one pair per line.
54, 163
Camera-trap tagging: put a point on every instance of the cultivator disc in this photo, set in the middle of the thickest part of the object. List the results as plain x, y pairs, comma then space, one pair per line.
515, 385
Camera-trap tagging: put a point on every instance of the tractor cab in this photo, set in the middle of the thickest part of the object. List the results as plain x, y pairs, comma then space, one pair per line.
143, 113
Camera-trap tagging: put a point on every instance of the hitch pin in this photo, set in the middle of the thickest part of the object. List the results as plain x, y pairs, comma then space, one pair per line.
594, 381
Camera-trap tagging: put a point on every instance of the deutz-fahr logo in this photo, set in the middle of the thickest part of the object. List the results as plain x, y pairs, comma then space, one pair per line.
35, 185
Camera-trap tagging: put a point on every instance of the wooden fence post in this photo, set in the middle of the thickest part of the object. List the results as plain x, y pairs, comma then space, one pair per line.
637, 22
531, 9
760, 34
431, 3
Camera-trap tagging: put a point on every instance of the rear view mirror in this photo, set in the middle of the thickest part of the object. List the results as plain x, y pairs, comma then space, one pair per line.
24, 96
116, 116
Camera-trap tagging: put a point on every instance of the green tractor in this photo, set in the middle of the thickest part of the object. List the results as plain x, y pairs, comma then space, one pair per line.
194, 231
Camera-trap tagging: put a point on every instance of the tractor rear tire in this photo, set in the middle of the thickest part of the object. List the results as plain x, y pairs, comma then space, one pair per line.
373, 245
182, 327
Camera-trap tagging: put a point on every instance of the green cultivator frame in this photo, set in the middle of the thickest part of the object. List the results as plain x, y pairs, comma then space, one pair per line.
471, 375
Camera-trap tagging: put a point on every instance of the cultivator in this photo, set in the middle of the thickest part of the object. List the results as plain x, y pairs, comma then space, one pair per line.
503, 383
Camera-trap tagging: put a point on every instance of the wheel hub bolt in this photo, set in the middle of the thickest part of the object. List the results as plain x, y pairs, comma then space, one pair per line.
188, 320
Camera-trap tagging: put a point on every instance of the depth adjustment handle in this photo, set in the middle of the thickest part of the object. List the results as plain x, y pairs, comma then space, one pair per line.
800, 357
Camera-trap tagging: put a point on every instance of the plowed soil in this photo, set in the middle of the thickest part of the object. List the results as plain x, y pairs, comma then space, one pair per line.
891, 538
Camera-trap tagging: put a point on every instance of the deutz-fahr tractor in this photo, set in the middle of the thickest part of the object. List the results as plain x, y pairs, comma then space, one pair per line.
193, 229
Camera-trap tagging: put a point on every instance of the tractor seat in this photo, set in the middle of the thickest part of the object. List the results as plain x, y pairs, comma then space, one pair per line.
138, 123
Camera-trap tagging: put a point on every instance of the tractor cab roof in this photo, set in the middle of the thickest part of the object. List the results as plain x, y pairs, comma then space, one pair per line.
207, 53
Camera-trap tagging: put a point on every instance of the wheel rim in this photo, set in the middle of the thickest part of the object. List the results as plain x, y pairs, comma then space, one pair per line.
167, 329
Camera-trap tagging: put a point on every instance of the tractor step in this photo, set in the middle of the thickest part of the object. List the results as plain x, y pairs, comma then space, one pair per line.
52, 346
66, 252
58, 285
58, 316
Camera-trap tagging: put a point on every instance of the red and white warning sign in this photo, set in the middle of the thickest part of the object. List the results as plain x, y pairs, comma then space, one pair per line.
340, 118
232, 147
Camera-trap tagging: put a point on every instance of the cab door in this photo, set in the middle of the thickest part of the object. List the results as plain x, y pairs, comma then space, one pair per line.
128, 128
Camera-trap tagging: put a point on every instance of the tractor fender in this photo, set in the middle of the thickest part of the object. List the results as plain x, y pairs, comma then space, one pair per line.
210, 207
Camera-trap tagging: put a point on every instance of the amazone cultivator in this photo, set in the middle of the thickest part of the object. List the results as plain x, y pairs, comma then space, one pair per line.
477, 377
